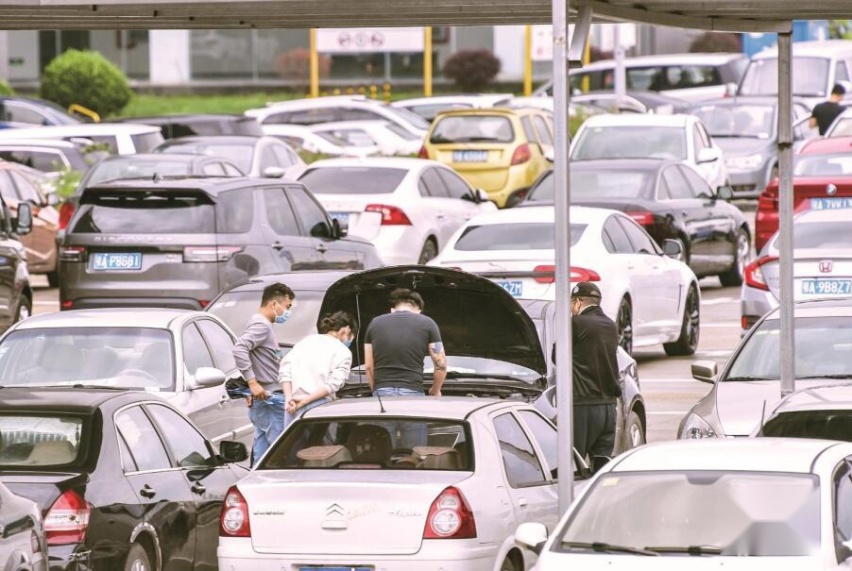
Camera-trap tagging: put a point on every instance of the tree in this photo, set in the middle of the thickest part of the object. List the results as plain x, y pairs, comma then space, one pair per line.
472, 70
86, 78
709, 42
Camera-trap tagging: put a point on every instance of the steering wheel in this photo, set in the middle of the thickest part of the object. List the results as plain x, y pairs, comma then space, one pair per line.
139, 373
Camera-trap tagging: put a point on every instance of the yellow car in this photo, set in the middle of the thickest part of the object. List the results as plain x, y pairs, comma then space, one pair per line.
501, 151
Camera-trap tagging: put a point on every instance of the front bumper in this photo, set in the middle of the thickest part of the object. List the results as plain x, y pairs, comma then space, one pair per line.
747, 184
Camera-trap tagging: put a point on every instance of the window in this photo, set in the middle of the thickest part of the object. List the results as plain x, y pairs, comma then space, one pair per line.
434, 184
280, 119
282, 157
45, 161
187, 445
699, 186
26, 189
529, 132
268, 158
840, 72
279, 213
473, 128
312, 216
40, 440
618, 239
195, 351
145, 212
697, 141
220, 343
7, 187
353, 180
517, 236
523, 468
359, 115
642, 243
231, 170
310, 117
677, 185
456, 186
143, 442
545, 435
544, 135
213, 169
20, 113
843, 500
145, 142
128, 464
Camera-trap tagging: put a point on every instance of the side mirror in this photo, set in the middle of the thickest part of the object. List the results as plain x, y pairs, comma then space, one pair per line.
550, 154
708, 156
52, 199
24, 219
725, 193
673, 249
273, 172
705, 371
208, 377
531, 535
231, 451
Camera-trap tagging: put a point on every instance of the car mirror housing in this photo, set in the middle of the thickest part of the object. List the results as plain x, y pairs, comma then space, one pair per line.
673, 249
705, 371
550, 154
273, 172
708, 155
52, 199
725, 192
231, 451
531, 535
24, 219
208, 377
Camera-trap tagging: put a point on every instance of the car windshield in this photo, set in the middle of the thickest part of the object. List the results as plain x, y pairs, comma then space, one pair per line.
379, 443
40, 440
122, 357
473, 129
239, 155
757, 514
353, 180
821, 424
842, 127
518, 236
810, 77
593, 185
823, 349
623, 142
127, 168
823, 165
757, 121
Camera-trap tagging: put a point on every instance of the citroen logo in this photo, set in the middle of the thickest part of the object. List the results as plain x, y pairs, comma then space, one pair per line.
831, 190
335, 509
335, 518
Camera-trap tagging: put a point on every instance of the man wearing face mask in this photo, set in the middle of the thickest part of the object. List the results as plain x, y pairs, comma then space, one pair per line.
256, 354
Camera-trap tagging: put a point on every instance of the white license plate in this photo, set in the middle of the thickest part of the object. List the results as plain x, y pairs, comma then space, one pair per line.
335, 568
470, 156
827, 287
830, 203
341, 217
110, 261
515, 287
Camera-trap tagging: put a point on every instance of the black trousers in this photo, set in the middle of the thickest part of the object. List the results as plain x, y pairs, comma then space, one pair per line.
594, 432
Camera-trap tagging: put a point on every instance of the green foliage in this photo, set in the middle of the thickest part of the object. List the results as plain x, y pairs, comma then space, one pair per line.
710, 42
840, 29
86, 78
5, 89
472, 70
66, 183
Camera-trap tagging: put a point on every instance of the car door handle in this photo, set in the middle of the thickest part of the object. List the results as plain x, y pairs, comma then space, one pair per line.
223, 400
440, 216
322, 248
277, 246
522, 502
147, 492
198, 488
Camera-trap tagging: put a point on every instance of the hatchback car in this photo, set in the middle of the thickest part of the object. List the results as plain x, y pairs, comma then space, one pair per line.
178, 243
22, 543
389, 138
746, 504
429, 107
749, 382
18, 112
122, 479
672, 202
50, 156
174, 126
501, 151
408, 208
817, 412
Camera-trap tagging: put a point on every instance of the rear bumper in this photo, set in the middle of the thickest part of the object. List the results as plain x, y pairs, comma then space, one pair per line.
754, 304
69, 558
159, 302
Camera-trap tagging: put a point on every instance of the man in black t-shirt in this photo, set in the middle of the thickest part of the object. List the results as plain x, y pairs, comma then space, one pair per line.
826, 112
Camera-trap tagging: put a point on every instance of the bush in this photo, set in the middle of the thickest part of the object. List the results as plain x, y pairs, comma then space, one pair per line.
472, 70
296, 64
709, 42
88, 79
5, 89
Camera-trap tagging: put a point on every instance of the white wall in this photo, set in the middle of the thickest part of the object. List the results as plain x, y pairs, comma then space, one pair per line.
23, 55
169, 57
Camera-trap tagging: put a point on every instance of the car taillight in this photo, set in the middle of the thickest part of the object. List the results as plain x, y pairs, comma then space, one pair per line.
546, 275
66, 211
423, 154
210, 253
391, 215
521, 155
67, 520
234, 519
754, 273
68, 304
766, 217
450, 517
768, 201
72, 254
642, 218
584, 275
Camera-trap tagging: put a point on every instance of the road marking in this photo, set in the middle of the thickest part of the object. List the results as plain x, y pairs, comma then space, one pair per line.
719, 324
666, 413
720, 300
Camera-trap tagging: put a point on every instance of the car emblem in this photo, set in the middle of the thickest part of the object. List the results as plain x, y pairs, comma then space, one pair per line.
335, 518
831, 190
825, 266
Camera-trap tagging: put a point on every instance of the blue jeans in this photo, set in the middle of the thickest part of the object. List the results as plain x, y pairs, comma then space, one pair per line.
289, 418
268, 420
405, 434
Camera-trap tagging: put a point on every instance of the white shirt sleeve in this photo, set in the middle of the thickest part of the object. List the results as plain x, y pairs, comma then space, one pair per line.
339, 373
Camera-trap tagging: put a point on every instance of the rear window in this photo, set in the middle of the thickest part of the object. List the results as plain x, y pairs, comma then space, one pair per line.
821, 424
472, 129
353, 180
145, 142
623, 142
40, 440
145, 213
385, 443
593, 185
823, 165
239, 155
127, 168
521, 236
818, 235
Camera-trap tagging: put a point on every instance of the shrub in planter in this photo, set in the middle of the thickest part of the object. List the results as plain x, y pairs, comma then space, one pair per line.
88, 79
472, 70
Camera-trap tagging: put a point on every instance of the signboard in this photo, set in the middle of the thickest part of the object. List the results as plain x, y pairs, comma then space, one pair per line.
542, 42
369, 40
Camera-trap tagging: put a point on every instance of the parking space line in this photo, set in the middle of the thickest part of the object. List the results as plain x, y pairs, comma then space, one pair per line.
666, 412
720, 300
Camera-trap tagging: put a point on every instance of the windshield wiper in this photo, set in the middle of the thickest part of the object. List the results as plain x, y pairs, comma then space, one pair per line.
746, 379
608, 548
834, 376
695, 550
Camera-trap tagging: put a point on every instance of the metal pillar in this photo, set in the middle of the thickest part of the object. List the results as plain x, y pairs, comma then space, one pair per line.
620, 79
580, 37
785, 211
564, 396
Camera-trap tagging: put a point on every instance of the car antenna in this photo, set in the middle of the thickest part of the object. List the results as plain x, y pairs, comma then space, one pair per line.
358, 349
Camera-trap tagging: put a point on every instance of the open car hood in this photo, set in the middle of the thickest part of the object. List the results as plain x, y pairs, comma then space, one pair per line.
477, 318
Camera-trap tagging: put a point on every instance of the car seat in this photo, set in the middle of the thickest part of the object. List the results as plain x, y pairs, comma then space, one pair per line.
437, 458
324, 456
370, 444
54, 452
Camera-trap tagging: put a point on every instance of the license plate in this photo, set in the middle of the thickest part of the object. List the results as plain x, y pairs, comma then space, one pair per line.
516, 288
830, 203
827, 287
470, 156
341, 217
336, 568
104, 261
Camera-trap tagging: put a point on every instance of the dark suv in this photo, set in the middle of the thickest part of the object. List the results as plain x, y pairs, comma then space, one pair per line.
178, 243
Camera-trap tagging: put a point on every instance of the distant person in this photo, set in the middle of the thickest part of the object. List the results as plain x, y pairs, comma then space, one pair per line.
826, 112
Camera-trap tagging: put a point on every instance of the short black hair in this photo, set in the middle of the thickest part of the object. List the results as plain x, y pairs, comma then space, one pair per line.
337, 321
404, 295
277, 289
838, 89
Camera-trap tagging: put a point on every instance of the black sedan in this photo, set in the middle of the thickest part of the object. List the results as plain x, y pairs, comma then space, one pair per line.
123, 480
671, 201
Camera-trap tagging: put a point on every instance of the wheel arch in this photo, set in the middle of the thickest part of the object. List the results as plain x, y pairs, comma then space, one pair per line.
145, 535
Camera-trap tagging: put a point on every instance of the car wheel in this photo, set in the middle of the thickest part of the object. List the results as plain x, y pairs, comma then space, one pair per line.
429, 251
25, 309
742, 256
508, 564
53, 278
137, 559
687, 343
624, 324
634, 432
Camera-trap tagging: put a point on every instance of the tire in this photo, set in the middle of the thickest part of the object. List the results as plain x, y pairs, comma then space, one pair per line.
53, 278
429, 251
687, 343
624, 325
137, 559
25, 309
508, 564
742, 256
634, 432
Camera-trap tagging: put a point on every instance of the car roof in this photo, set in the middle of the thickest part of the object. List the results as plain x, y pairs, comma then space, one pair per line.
639, 119
297, 281
217, 139
826, 146
80, 130
545, 214
376, 162
79, 400
159, 157
829, 397
52, 143
834, 307
667, 59
793, 455
319, 102
350, 124
818, 48
622, 164
507, 111
444, 99
156, 318
741, 100
450, 408
210, 185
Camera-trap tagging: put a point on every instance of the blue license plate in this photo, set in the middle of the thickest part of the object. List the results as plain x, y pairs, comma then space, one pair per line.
516, 288
105, 261
470, 156
827, 287
341, 217
830, 203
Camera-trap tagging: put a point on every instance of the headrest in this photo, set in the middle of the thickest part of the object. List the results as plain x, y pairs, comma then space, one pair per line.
324, 456
49, 453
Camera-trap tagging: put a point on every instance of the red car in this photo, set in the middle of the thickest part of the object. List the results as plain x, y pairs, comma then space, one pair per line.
822, 179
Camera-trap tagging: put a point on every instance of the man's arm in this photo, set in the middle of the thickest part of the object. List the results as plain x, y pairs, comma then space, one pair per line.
812, 122
369, 365
242, 349
439, 359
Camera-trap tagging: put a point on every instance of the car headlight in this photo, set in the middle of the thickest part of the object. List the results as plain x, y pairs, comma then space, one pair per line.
696, 427
744, 162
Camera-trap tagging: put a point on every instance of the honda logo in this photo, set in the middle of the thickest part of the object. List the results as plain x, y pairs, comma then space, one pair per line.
825, 266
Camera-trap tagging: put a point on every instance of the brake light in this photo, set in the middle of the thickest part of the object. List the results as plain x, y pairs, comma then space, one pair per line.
766, 217
66, 211
210, 253
67, 520
584, 275
68, 304
72, 254
234, 519
391, 215
423, 154
521, 155
754, 273
546, 274
642, 218
450, 517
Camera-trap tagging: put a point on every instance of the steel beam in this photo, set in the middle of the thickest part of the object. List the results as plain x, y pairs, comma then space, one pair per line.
785, 212
580, 36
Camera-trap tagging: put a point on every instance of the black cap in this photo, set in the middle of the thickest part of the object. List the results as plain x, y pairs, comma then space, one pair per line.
585, 289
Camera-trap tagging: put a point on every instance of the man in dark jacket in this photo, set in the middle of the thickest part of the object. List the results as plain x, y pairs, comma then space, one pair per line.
596, 385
